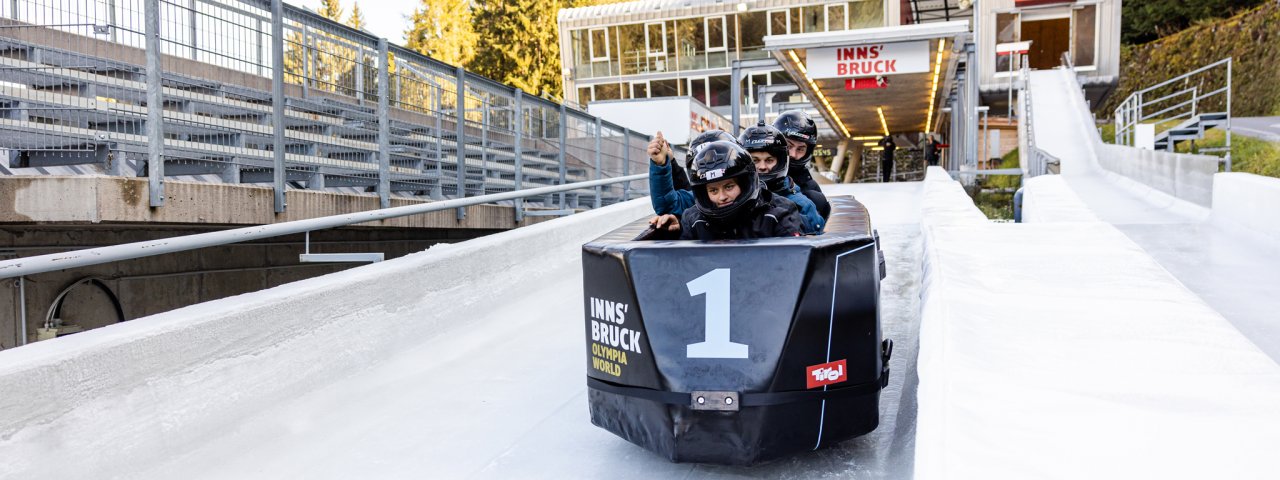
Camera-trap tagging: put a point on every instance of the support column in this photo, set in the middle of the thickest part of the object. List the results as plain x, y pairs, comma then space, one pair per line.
564, 141
460, 113
599, 174
277, 101
384, 125
155, 106
626, 163
518, 131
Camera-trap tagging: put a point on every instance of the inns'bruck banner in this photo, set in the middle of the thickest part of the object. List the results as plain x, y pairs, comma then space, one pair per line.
868, 60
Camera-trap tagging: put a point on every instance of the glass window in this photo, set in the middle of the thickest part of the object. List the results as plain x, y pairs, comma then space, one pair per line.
1083, 35
599, 40
608, 91
719, 92
689, 44
866, 14
581, 54
632, 51
793, 20
1006, 32
753, 27
835, 17
813, 19
715, 34
778, 22
584, 95
640, 90
664, 88
656, 38
698, 89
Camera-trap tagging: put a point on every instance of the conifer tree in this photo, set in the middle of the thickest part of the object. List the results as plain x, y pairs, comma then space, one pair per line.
521, 44
442, 29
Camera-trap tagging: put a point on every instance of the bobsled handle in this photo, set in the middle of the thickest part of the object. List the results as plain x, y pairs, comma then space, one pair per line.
749, 399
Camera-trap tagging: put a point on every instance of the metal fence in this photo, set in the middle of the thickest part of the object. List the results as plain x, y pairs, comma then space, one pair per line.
1179, 109
348, 113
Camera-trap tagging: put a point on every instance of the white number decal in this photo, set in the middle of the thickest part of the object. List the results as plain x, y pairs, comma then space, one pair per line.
715, 285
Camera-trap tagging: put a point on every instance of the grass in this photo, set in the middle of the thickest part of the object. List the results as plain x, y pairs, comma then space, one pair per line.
995, 192
1251, 155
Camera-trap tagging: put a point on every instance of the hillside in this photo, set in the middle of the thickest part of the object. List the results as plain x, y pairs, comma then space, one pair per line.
1252, 38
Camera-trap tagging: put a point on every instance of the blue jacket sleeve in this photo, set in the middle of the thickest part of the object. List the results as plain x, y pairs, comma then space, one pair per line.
663, 195
810, 220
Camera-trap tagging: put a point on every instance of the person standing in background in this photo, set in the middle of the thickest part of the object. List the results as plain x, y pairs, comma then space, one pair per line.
886, 158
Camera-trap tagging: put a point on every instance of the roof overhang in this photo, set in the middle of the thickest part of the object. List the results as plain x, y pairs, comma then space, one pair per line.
909, 103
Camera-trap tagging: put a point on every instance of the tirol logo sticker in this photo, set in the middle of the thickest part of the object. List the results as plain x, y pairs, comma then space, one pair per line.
826, 374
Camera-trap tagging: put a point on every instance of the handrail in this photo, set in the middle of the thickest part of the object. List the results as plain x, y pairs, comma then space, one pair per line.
1185, 75
95, 256
1130, 112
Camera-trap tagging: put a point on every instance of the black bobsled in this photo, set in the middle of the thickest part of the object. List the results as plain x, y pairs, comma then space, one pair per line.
736, 352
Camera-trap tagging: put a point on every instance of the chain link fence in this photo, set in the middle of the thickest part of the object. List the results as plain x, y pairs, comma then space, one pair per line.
356, 114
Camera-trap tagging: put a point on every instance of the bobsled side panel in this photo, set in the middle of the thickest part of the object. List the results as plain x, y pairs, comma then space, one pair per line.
617, 343
717, 318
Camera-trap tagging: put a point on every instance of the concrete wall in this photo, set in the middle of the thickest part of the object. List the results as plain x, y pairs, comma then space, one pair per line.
1184, 176
136, 393
1248, 201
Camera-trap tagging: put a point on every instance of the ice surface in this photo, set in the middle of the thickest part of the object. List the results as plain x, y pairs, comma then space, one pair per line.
481, 374
1062, 350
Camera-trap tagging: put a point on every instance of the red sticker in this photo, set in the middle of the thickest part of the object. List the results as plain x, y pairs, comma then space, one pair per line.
826, 374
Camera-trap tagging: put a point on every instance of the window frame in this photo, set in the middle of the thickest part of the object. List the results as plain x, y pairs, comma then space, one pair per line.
724, 33
648, 47
827, 15
591, 44
1097, 20
769, 21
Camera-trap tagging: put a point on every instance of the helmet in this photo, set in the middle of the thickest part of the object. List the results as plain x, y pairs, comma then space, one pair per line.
764, 138
796, 125
721, 160
702, 139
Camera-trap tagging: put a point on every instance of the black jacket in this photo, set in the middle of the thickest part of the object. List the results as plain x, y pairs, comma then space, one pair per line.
772, 216
809, 187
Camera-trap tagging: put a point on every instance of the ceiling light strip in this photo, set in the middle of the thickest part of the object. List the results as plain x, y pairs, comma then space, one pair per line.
933, 91
883, 124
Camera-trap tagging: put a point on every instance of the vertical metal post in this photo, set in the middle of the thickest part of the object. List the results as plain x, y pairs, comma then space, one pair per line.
760, 103
599, 174
460, 113
564, 143
22, 310
518, 131
735, 91
277, 101
384, 125
1228, 166
155, 106
191, 18
261, 53
971, 108
626, 163
360, 95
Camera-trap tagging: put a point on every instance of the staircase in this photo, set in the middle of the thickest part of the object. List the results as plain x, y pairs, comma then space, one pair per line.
1191, 129
1182, 98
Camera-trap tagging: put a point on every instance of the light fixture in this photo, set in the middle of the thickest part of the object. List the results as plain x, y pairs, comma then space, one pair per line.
933, 91
818, 92
865, 137
883, 124
870, 144
742, 6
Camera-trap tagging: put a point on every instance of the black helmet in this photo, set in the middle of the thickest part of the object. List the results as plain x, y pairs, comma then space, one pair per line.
721, 160
703, 139
764, 138
796, 125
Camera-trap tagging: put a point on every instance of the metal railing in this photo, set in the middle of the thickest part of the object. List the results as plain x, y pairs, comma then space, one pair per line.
1205, 90
348, 111
1034, 161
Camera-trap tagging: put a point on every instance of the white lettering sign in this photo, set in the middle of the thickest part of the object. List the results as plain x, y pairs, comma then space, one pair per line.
869, 60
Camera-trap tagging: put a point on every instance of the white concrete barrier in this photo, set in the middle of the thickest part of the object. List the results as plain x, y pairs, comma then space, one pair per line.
103, 403
1184, 176
1248, 201
1048, 198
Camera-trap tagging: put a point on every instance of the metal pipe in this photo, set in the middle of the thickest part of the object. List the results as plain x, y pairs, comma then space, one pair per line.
95, 256
518, 131
460, 112
599, 174
1228, 166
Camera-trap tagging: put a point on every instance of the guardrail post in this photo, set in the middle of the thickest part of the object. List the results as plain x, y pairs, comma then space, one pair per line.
518, 131
384, 125
1228, 158
277, 101
564, 143
599, 175
460, 114
155, 105
626, 163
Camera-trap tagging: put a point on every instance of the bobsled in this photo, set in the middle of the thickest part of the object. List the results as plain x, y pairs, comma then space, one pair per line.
739, 351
